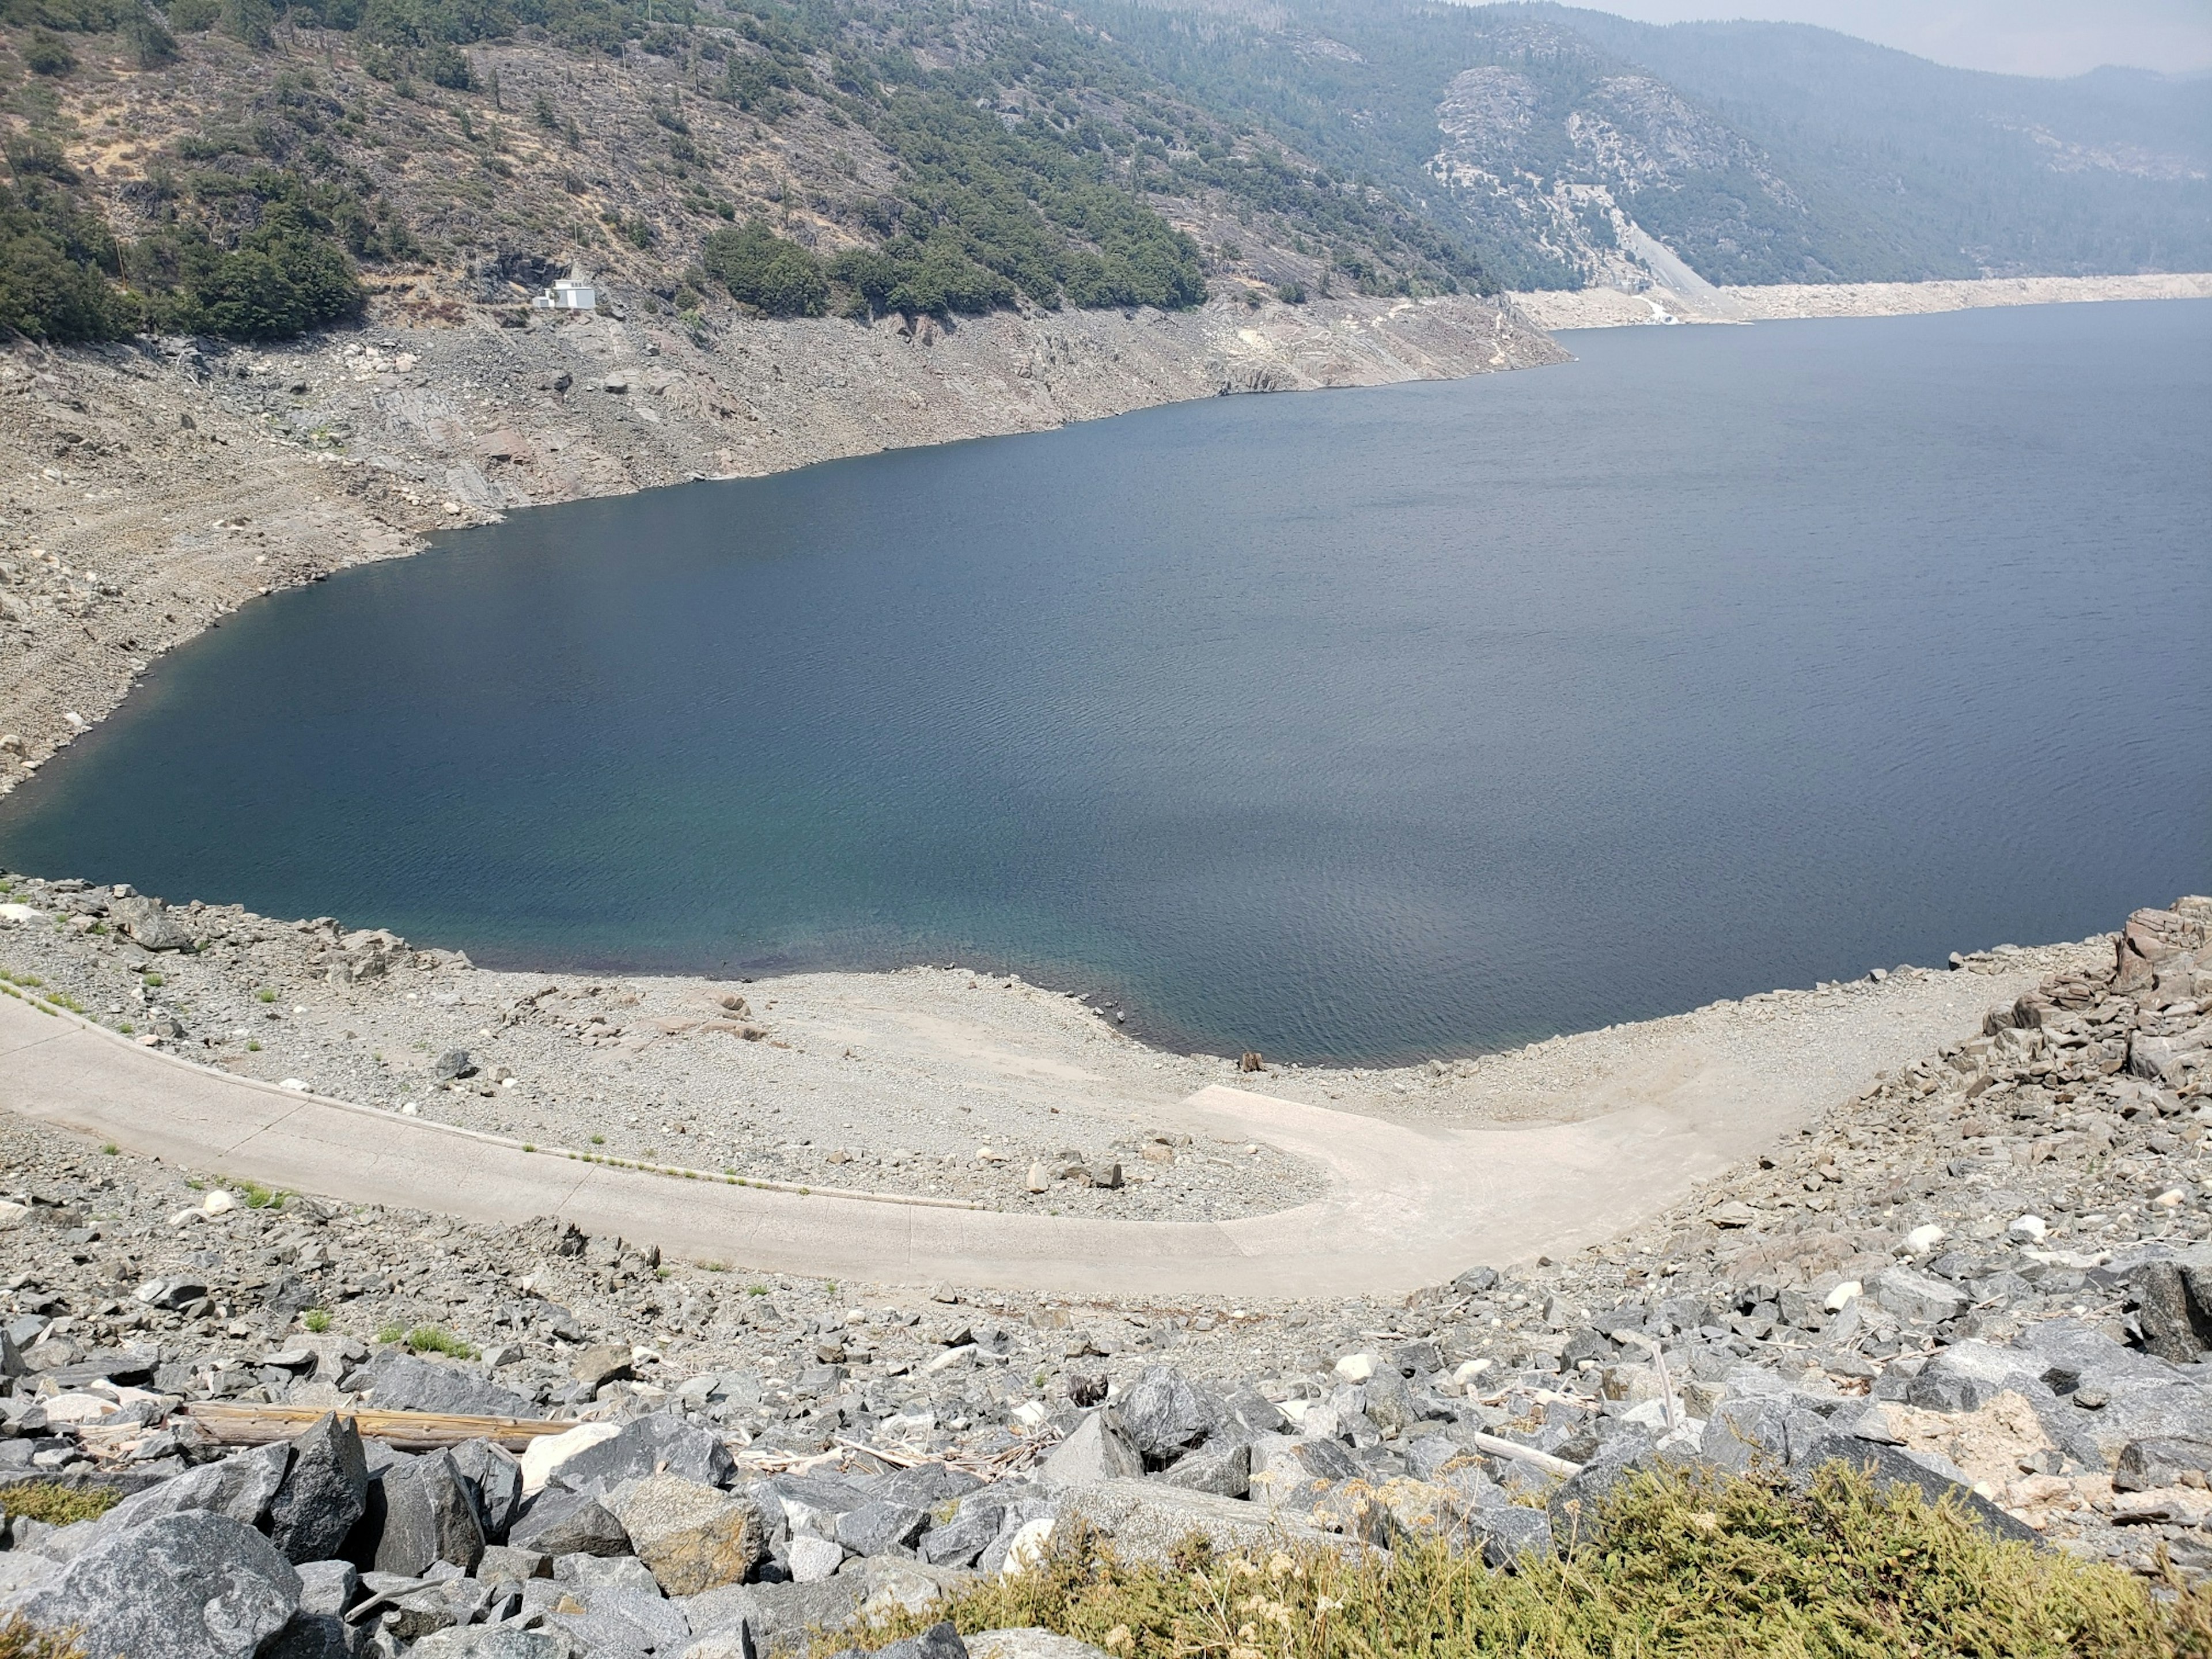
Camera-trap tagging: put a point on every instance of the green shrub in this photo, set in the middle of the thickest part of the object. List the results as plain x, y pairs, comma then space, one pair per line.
448, 66
47, 53
194, 16
1690, 1568
317, 1320
430, 1339
760, 269
51, 259
56, 1505
151, 45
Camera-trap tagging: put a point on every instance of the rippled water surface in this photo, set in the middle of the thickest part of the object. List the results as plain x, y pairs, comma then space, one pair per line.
1367, 725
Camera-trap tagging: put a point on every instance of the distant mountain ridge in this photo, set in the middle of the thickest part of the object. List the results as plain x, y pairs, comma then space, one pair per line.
238, 167
1759, 152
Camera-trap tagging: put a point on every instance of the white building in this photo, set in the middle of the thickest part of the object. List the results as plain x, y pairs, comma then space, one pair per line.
574, 292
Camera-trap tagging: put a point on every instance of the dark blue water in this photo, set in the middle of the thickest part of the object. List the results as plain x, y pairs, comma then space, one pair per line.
1366, 725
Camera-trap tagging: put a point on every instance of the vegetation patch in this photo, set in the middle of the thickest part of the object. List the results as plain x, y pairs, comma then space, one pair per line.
56, 1505
20, 1639
1687, 1565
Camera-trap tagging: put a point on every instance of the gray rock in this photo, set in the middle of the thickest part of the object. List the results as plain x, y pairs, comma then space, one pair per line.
648, 1445
1282, 1462
1030, 1644
1886, 1467
879, 1527
961, 1540
327, 1587
924, 1487
312, 1636
1164, 1414
778, 1617
495, 1642
452, 1065
240, 1486
560, 1522
1577, 1505
430, 1515
618, 1621
810, 1559
405, 1382
1224, 1470
1096, 1450
940, 1641
1507, 1532
323, 1493
2174, 1307
1147, 1519
496, 1479
1911, 1294
506, 1563
605, 1572
2145, 1465
195, 1585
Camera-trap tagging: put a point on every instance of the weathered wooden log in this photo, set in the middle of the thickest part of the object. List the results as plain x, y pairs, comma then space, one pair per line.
257, 1425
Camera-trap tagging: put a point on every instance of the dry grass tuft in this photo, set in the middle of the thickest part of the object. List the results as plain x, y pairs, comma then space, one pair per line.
1692, 1566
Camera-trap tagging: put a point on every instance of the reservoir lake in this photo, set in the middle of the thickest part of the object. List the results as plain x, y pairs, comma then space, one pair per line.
1361, 726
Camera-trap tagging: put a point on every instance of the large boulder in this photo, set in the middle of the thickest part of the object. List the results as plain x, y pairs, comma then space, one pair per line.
196, 1585
1165, 1415
558, 1523
655, 1444
240, 1486
430, 1515
1097, 1449
693, 1537
495, 1478
405, 1383
322, 1494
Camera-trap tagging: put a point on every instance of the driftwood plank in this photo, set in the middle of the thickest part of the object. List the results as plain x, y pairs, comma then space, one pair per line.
257, 1425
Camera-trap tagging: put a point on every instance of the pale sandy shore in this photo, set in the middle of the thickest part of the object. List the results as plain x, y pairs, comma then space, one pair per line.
1607, 308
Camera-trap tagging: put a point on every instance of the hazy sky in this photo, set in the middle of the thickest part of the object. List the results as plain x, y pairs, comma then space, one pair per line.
2019, 37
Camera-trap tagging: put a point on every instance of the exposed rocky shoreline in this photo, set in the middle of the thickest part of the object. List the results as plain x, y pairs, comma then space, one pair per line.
1610, 308
169, 483
1988, 1275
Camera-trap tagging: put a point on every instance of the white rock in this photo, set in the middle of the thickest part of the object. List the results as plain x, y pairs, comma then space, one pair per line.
1027, 1547
1844, 1295
813, 1560
1358, 1367
1031, 1412
544, 1455
2028, 1229
78, 1408
218, 1202
962, 1355
20, 913
1468, 1371
989, 1155
1040, 1178
1924, 1238
297, 1085
12, 1215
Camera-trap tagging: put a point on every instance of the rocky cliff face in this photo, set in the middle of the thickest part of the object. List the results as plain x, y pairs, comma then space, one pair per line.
1570, 150
171, 483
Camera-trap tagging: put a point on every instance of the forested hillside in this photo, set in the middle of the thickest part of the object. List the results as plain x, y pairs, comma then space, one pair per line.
252, 168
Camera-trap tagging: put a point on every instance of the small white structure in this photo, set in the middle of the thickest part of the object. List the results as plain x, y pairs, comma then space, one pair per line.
574, 292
